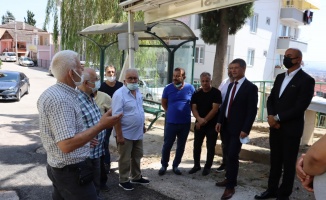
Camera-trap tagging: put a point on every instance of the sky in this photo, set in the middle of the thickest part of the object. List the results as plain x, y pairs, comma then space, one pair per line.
313, 34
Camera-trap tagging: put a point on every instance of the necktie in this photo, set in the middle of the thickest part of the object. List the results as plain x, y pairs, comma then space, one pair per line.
232, 96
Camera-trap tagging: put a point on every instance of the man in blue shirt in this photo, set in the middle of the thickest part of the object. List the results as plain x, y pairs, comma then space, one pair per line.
176, 103
129, 131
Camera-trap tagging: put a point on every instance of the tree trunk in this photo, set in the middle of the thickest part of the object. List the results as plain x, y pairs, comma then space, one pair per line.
221, 47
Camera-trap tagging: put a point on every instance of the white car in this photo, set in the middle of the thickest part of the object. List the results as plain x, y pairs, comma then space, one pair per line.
25, 61
151, 89
8, 56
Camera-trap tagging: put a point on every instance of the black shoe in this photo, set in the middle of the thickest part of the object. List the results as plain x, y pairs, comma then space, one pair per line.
162, 171
221, 168
177, 171
140, 181
126, 186
206, 171
266, 195
194, 170
282, 198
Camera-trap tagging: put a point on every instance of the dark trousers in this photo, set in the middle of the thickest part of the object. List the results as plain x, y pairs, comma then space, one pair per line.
104, 177
211, 137
232, 150
171, 132
65, 185
283, 156
224, 158
107, 159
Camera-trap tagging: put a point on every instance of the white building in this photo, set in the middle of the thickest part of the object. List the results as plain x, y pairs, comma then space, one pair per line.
262, 41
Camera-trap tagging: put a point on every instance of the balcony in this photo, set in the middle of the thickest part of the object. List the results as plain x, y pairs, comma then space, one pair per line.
283, 43
292, 15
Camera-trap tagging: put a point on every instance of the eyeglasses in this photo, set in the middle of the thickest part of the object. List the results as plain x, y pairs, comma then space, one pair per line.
132, 78
110, 72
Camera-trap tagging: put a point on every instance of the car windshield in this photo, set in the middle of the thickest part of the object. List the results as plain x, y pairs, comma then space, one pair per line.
28, 59
8, 77
11, 54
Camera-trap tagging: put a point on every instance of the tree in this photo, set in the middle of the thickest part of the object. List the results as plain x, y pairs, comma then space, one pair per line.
30, 18
6, 17
216, 27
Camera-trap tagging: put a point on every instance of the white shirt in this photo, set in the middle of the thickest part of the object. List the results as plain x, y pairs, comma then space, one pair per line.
287, 79
240, 81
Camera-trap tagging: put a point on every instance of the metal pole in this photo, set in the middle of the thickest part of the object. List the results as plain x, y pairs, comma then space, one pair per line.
16, 42
131, 39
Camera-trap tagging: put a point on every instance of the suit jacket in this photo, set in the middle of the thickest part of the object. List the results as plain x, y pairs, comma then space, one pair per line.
243, 111
293, 102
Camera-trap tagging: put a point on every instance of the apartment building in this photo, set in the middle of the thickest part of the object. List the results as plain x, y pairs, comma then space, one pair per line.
274, 27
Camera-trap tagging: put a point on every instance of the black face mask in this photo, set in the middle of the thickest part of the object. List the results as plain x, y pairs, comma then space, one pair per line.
287, 62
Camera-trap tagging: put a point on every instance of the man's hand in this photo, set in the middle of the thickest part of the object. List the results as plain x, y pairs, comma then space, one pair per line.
93, 142
299, 168
197, 125
243, 135
201, 121
218, 127
120, 140
272, 123
108, 121
308, 183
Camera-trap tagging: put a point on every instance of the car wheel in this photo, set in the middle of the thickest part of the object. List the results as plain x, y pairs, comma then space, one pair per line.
19, 95
28, 90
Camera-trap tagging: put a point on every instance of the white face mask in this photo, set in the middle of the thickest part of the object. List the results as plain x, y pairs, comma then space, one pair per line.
81, 79
110, 78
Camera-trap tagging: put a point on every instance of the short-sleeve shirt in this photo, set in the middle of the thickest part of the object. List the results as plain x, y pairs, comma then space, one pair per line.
179, 109
204, 102
132, 121
91, 116
60, 119
103, 101
110, 90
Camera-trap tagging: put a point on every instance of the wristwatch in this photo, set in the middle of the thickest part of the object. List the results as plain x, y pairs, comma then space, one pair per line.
276, 118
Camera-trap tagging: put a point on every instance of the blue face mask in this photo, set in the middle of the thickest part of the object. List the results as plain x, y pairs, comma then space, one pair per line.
97, 86
132, 86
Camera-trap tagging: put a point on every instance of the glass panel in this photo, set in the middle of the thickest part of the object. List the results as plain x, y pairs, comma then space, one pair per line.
183, 58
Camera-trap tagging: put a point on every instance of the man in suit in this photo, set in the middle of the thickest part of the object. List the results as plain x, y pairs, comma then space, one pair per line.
289, 98
236, 117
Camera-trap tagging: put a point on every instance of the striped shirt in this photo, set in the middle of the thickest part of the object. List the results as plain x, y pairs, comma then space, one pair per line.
60, 119
91, 115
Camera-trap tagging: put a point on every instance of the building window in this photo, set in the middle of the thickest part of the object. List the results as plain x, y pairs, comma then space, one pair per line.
268, 21
254, 23
198, 21
199, 58
251, 57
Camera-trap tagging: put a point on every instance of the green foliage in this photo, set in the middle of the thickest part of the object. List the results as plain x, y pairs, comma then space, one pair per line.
6, 17
237, 15
30, 18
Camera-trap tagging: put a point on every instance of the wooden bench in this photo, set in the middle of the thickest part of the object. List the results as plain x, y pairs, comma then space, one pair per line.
155, 108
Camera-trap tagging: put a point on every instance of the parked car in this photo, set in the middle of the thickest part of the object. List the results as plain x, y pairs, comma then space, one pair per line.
8, 56
25, 61
13, 85
151, 89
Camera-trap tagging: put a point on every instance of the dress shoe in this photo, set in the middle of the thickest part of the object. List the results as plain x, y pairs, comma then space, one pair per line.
222, 183
162, 171
177, 171
206, 171
228, 193
221, 168
282, 198
194, 170
266, 195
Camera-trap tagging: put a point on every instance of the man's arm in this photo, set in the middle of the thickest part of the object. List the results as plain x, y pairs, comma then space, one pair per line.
314, 162
165, 104
80, 139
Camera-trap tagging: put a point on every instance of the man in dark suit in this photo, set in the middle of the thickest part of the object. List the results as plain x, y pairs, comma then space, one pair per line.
236, 117
286, 105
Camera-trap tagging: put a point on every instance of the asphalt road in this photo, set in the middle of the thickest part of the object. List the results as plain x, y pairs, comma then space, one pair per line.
22, 159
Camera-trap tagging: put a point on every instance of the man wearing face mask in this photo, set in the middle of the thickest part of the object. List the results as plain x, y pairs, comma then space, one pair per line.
129, 132
64, 136
91, 115
286, 105
109, 87
176, 103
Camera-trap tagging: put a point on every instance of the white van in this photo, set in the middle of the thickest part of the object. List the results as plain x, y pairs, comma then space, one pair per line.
8, 56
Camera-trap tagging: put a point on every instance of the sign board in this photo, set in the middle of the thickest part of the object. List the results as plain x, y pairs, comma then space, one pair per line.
183, 8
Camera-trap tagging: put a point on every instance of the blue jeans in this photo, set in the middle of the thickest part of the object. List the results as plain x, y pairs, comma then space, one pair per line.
171, 132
